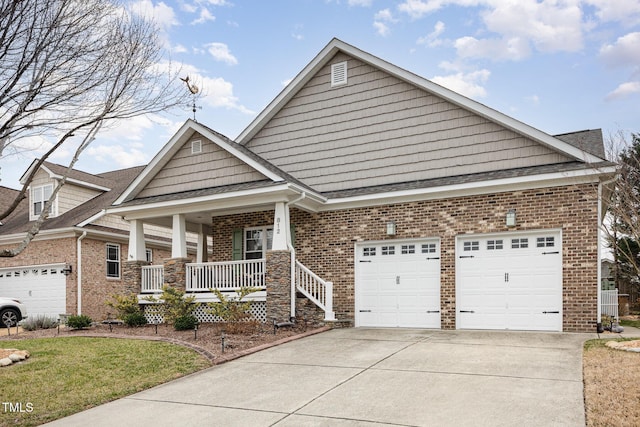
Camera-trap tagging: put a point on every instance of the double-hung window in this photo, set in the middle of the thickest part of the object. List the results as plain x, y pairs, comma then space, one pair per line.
113, 261
257, 241
39, 196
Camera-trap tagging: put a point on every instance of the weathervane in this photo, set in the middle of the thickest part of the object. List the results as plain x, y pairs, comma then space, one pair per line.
194, 91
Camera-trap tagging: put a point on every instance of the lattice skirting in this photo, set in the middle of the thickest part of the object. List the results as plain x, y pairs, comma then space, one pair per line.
258, 310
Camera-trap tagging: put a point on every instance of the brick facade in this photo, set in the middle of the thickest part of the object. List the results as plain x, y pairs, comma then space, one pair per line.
325, 241
97, 288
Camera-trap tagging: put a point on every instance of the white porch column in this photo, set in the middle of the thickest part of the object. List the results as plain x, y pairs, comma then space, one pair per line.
137, 247
280, 228
179, 237
202, 252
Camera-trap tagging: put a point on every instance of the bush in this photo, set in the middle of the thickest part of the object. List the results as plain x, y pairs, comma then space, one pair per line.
39, 322
172, 305
185, 322
79, 322
233, 311
134, 319
125, 305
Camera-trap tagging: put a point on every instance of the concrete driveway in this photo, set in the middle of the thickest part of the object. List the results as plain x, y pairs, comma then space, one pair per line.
373, 377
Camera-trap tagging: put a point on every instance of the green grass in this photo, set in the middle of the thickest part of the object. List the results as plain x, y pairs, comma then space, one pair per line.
67, 375
632, 323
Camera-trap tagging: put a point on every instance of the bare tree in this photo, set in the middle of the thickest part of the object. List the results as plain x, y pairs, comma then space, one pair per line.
69, 67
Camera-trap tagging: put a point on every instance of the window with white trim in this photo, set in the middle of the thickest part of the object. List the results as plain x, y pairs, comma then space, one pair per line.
388, 250
149, 255
408, 249
369, 251
429, 248
257, 241
494, 245
39, 195
471, 246
519, 243
113, 260
545, 242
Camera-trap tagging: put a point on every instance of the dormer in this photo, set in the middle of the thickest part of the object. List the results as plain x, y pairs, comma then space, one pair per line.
80, 187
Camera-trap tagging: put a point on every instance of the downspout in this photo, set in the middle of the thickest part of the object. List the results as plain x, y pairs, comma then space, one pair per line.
292, 251
79, 270
599, 252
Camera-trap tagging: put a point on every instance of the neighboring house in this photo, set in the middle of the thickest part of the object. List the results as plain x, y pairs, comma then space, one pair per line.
387, 200
75, 264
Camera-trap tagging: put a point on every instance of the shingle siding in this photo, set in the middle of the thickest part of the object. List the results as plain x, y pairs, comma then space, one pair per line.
378, 129
214, 167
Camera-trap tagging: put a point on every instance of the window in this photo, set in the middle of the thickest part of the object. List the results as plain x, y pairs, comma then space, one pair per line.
388, 250
369, 251
471, 246
339, 74
196, 147
39, 195
113, 260
494, 244
519, 243
545, 242
408, 249
149, 255
429, 248
257, 241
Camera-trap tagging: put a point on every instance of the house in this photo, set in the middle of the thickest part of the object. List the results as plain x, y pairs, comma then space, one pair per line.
75, 264
385, 200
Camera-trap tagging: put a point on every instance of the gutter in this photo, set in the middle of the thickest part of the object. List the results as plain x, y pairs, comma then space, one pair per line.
292, 251
79, 268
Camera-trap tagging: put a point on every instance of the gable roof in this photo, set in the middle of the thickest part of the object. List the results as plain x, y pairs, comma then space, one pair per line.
77, 177
115, 181
589, 140
475, 107
186, 131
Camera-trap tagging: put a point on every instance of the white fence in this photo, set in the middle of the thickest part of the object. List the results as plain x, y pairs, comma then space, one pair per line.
316, 289
152, 278
609, 303
225, 276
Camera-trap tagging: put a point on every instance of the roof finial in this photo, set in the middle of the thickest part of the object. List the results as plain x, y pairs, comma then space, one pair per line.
194, 91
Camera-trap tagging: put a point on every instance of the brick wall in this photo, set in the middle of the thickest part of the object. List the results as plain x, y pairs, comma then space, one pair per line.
325, 241
96, 287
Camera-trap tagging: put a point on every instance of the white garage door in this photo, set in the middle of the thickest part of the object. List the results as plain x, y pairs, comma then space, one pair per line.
398, 284
510, 281
42, 288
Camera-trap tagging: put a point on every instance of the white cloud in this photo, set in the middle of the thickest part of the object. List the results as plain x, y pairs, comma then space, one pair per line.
363, 3
624, 52
533, 99
381, 20
161, 14
467, 84
625, 11
418, 8
220, 52
432, 39
205, 16
624, 90
217, 92
123, 157
496, 49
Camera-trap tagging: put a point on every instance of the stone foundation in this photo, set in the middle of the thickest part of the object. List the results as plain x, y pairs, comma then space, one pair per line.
278, 283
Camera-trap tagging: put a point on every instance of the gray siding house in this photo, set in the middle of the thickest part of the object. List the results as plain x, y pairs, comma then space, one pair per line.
366, 194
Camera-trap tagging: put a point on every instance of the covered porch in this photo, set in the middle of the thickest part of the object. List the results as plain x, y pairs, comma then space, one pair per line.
263, 257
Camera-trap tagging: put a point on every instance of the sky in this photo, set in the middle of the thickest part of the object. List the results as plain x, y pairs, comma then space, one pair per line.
557, 65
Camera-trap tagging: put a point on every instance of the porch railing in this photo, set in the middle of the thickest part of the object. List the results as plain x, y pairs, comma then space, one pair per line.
152, 278
609, 303
227, 275
319, 291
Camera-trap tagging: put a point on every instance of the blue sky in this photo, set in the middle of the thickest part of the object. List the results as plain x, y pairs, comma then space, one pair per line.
558, 65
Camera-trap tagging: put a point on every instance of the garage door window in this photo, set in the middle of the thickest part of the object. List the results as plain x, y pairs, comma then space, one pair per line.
113, 261
369, 251
429, 248
388, 250
493, 245
471, 246
519, 243
408, 249
545, 242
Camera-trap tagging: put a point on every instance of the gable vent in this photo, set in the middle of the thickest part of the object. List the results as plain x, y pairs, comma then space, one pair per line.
196, 147
339, 74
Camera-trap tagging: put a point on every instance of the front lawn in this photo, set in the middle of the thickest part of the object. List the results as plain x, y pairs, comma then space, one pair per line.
70, 374
611, 385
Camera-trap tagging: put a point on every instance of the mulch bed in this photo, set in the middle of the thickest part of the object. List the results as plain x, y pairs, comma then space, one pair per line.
207, 340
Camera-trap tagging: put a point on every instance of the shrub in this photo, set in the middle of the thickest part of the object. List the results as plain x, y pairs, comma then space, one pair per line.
79, 322
173, 304
134, 319
39, 322
233, 310
125, 305
183, 323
